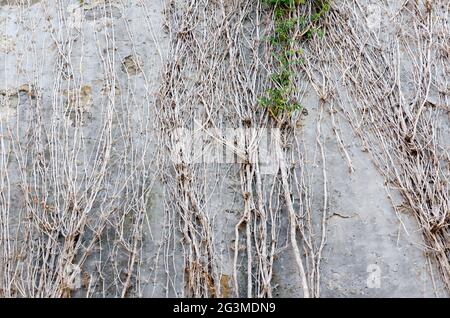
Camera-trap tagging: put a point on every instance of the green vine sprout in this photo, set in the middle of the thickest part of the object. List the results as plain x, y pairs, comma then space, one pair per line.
289, 27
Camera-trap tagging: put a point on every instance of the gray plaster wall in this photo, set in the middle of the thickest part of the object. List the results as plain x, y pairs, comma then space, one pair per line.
371, 250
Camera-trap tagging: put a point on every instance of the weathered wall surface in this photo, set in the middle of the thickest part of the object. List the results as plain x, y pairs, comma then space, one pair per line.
86, 206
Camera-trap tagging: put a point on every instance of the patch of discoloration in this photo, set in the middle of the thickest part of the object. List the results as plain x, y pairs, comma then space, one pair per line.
132, 64
106, 89
225, 286
98, 9
79, 101
10, 100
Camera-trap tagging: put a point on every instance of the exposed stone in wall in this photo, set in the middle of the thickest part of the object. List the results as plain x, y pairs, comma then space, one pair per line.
132, 65
79, 102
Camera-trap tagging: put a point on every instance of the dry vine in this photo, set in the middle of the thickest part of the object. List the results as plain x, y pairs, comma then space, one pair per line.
74, 171
360, 69
217, 69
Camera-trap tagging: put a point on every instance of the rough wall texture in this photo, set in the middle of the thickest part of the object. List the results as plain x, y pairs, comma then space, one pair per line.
94, 204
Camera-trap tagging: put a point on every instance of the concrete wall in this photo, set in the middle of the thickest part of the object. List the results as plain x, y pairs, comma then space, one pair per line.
371, 250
